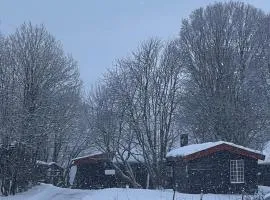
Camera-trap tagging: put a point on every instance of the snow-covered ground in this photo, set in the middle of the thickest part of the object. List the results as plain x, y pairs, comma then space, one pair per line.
49, 192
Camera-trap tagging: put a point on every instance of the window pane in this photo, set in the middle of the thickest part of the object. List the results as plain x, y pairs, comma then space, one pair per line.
237, 171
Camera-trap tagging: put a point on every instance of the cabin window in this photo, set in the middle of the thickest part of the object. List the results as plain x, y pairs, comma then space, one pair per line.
237, 171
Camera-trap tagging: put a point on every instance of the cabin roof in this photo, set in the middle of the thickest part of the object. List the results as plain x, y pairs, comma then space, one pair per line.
133, 155
92, 158
194, 151
88, 155
48, 164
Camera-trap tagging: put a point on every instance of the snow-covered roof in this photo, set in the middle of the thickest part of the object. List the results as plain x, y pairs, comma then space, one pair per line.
87, 156
40, 162
195, 148
92, 158
134, 157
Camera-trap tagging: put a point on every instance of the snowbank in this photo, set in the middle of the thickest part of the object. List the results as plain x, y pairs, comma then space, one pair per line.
49, 192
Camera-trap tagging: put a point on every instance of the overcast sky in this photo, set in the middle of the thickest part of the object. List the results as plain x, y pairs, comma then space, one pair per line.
96, 32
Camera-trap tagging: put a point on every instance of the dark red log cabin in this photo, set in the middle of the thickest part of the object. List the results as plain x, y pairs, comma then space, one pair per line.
214, 167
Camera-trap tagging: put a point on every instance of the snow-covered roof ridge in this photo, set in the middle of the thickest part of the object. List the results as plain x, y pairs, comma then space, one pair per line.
194, 148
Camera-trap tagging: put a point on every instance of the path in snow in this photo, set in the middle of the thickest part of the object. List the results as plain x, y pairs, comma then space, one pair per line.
49, 192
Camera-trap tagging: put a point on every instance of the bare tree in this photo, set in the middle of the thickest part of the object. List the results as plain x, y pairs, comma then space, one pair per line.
50, 89
40, 99
10, 101
137, 107
108, 120
220, 45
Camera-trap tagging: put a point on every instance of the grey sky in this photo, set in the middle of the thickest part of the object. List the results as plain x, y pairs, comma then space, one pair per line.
96, 32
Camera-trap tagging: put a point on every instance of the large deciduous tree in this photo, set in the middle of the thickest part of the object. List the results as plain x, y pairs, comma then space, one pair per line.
48, 88
136, 109
223, 46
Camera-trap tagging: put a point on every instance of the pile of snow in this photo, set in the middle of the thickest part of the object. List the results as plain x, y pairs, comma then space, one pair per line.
266, 152
194, 148
72, 174
49, 192
264, 189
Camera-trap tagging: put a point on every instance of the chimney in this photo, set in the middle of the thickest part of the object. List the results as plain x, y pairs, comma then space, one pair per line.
183, 140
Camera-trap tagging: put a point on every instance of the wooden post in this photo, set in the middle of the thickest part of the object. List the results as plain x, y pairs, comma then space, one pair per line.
147, 180
201, 196
174, 190
173, 194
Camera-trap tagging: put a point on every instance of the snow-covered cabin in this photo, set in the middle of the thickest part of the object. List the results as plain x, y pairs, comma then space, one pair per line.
49, 172
98, 171
214, 167
91, 171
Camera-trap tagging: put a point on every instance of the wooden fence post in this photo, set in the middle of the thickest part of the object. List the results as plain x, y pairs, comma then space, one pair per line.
201, 197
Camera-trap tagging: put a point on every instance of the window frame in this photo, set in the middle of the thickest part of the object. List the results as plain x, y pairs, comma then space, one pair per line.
237, 171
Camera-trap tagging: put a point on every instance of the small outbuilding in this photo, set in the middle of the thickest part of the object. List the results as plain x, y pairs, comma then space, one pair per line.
94, 171
49, 172
264, 173
99, 171
214, 167
264, 167
16, 167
